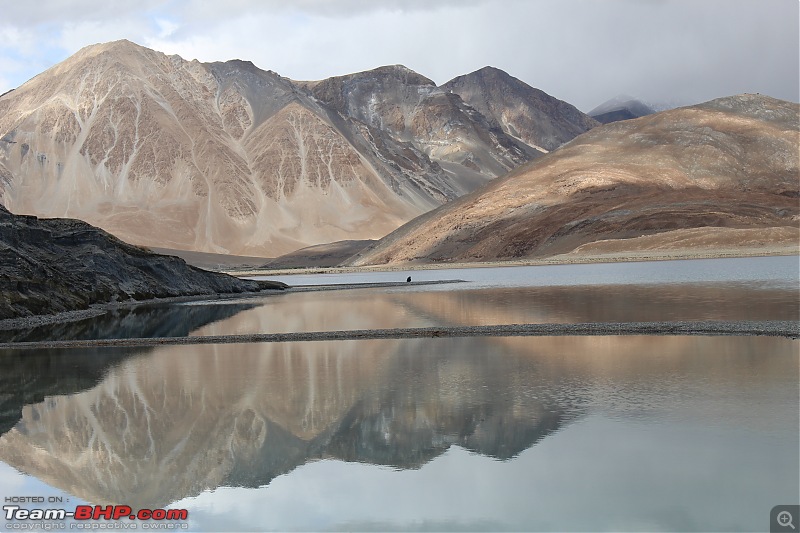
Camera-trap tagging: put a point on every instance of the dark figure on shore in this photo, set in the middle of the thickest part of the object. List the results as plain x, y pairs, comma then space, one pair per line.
408, 279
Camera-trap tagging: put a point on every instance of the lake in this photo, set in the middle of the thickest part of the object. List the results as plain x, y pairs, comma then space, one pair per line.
674, 433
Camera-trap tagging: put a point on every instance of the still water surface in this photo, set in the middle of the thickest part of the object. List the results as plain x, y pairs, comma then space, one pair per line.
523, 433
734, 289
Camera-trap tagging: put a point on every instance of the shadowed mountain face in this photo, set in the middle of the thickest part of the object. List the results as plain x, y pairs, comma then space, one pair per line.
714, 176
525, 113
54, 265
228, 158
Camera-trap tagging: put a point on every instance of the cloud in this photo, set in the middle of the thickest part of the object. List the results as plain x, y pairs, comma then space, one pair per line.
204, 9
58, 12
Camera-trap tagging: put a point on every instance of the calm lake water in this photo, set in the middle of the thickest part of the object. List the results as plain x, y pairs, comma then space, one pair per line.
526, 433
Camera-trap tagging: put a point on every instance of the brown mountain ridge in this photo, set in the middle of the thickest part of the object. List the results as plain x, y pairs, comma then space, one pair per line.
717, 175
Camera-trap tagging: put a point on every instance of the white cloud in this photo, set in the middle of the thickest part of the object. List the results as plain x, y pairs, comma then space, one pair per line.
166, 27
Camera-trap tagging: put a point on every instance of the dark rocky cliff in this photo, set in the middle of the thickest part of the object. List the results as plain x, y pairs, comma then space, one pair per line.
53, 265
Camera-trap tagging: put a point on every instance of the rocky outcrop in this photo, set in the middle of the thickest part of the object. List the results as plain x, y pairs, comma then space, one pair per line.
718, 170
56, 265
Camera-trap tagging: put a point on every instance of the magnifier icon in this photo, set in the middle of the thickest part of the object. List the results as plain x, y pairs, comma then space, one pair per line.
785, 519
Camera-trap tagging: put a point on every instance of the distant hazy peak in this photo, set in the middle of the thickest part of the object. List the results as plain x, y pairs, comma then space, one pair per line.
620, 102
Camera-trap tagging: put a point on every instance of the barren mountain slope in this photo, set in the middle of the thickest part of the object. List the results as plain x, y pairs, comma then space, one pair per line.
220, 157
720, 167
412, 109
521, 111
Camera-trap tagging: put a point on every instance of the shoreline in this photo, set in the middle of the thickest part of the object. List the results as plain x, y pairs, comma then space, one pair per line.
773, 328
564, 259
34, 321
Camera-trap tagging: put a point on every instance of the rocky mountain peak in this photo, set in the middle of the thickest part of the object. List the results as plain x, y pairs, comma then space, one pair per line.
521, 111
490, 73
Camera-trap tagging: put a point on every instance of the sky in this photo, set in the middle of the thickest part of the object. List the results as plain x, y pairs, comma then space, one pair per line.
583, 51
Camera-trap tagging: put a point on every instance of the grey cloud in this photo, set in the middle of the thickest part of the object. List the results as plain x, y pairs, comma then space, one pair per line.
329, 8
57, 12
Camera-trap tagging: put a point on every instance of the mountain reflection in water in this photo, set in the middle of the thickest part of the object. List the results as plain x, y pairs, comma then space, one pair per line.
412, 307
28, 377
154, 320
186, 419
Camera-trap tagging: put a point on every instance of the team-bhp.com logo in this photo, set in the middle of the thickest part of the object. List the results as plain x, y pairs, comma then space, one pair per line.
88, 517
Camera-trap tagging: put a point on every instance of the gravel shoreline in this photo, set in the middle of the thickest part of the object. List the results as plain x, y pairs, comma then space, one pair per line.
775, 328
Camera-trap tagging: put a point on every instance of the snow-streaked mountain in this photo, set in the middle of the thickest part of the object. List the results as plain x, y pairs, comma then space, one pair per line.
229, 158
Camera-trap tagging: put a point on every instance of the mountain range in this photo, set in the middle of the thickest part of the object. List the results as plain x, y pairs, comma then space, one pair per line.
228, 158
716, 176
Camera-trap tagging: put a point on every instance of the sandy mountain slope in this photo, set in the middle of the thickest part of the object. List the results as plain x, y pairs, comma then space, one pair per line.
713, 170
528, 114
228, 158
